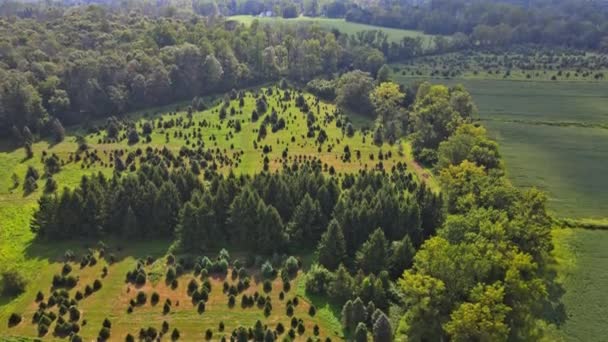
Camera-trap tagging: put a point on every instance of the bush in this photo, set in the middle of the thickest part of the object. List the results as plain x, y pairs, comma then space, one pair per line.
141, 298
312, 310
14, 319
13, 283
107, 324
154, 298
208, 334
267, 286
104, 334
97, 285
231, 301
175, 334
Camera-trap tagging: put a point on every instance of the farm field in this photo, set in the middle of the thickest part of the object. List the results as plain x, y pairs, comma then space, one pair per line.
553, 135
236, 150
351, 28
581, 262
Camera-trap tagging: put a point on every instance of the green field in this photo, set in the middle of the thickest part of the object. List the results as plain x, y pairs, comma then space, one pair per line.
39, 261
582, 257
552, 135
394, 35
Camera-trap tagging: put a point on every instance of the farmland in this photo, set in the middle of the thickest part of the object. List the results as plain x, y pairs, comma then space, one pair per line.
351, 28
581, 260
552, 135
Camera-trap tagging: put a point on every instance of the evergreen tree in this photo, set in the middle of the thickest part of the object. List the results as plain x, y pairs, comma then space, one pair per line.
342, 286
306, 222
332, 247
372, 257
130, 227
347, 316
361, 333
57, 130
402, 256
383, 331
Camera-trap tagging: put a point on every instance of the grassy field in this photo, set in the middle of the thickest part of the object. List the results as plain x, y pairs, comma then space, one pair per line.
39, 261
552, 135
394, 35
582, 257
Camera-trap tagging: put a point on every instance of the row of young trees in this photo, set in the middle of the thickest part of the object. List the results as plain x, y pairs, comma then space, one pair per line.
268, 212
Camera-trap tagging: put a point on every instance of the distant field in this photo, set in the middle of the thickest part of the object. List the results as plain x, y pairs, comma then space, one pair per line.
553, 135
582, 259
394, 35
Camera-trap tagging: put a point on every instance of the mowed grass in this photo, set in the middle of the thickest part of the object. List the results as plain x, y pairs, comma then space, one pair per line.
350, 28
552, 135
39, 260
582, 259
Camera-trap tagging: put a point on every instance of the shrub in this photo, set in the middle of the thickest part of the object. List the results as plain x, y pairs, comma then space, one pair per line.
208, 334
14, 319
39, 296
165, 327
154, 298
14, 283
280, 328
301, 328
201, 307
42, 329
231, 301
267, 286
192, 286
129, 338
312, 310
166, 308
104, 334
97, 285
175, 334
107, 324
74, 313
221, 326
141, 298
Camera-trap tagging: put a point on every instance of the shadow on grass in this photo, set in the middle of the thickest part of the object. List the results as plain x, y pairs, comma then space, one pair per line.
554, 310
54, 251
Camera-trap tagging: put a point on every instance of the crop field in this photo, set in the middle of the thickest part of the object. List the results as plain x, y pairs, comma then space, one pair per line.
351, 28
232, 149
581, 257
552, 134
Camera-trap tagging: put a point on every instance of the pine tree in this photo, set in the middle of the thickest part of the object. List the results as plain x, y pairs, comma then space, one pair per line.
361, 333
383, 331
332, 247
130, 228
341, 287
347, 316
402, 256
372, 256
305, 225
57, 130
358, 313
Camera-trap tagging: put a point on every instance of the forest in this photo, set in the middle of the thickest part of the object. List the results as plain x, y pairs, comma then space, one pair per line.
171, 174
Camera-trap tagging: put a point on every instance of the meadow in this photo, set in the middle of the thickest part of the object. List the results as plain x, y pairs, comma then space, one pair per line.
351, 28
236, 151
552, 134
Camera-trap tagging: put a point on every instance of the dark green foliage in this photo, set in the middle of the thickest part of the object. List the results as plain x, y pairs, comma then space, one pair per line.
14, 319
332, 248
175, 334
104, 333
361, 333
13, 283
373, 255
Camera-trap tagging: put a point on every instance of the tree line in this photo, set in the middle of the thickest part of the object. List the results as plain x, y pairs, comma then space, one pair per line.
118, 62
268, 212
